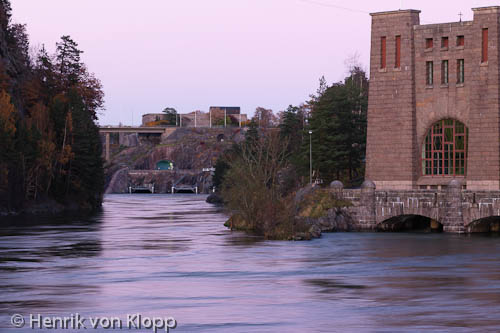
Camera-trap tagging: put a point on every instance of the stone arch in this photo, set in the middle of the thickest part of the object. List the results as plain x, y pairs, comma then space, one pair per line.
410, 222
484, 225
444, 149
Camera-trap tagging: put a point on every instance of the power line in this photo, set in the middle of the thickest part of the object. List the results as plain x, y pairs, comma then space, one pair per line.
334, 6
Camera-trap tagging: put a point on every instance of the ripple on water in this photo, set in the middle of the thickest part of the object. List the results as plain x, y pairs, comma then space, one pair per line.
171, 255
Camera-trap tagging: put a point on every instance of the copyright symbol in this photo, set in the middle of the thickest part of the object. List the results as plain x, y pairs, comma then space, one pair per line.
17, 320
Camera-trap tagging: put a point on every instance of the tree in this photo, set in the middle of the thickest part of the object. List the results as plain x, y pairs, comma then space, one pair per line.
18, 42
5, 14
323, 86
86, 168
265, 118
7, 136
170, 115
68, 61
252, 133
251, 187
291, 127
49, 143
338, 123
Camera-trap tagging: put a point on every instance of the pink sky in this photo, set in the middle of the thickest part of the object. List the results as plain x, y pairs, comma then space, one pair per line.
191, 54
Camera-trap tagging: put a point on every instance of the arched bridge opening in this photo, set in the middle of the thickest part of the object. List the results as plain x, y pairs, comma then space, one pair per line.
416, 223
489, 224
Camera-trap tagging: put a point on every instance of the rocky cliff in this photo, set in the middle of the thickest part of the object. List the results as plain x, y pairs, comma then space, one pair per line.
190, 149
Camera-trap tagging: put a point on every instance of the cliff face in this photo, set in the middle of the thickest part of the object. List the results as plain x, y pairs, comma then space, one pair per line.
190, 149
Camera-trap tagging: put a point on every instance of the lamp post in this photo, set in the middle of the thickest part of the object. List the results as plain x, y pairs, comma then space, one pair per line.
310, 158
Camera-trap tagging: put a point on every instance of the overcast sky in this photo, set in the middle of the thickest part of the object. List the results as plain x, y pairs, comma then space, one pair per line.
191, 54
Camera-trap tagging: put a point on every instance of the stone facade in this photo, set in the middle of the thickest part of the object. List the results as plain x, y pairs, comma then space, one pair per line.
403, 106
457, 210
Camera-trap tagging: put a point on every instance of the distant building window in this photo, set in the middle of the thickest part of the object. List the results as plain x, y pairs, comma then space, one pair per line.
383, 52
444, 151
460, 41
397, 63
444, 42
444, 72
484, 55
429, 73
429, 43
460, 71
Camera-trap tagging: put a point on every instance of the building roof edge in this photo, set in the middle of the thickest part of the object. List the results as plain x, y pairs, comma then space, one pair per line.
400, 11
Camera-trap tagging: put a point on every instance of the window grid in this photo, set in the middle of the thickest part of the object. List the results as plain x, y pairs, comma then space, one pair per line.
444, 151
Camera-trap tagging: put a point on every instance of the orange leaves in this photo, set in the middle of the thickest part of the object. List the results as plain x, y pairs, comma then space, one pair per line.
7, 115
39, 118
4, 78
31, 92
66, 153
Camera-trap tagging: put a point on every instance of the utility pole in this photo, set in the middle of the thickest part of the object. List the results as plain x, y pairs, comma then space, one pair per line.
310, 158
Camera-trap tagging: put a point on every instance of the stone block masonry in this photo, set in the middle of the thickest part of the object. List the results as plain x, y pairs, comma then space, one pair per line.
426, 81
458, 210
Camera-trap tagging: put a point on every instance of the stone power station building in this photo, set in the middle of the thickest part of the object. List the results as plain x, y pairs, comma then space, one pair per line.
434, 102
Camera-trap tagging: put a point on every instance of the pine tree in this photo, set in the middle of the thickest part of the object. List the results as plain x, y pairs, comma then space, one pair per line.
338, 125
68, 60
291, 128
86, 171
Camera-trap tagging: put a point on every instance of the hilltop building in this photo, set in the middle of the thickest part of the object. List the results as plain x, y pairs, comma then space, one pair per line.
434, 102
218, 116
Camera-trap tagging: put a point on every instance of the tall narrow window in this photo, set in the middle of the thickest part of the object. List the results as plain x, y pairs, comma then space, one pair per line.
484, 57
429, 43
397, 64
444, 72
460, 71
460, 41
430, 73
444, 42
383, 62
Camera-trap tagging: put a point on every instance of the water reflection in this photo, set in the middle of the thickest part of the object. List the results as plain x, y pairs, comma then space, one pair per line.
43, 263
170, 255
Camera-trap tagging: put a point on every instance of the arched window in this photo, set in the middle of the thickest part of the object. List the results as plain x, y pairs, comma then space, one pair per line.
444, 152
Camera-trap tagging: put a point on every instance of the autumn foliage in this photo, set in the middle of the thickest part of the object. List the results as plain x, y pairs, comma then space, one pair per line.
49, 142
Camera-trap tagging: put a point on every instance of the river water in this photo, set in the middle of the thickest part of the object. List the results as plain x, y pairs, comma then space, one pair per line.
171, 256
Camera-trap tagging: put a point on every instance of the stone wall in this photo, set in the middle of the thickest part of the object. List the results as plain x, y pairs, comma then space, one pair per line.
456, 209
391, 141
163, 180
